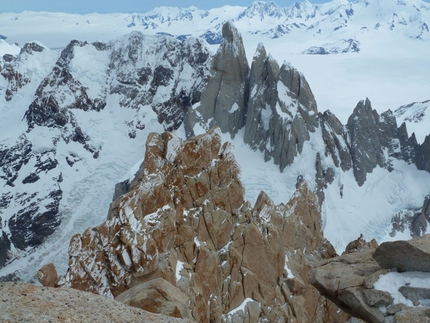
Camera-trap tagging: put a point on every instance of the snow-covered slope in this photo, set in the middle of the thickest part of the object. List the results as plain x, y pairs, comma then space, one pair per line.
69, 135
417, 118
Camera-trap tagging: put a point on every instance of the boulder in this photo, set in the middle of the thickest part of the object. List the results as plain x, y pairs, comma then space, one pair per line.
415, 293
374, 297
393, 309
342, 280
47, 275
157, 296
349, 280
413, 315
411, 255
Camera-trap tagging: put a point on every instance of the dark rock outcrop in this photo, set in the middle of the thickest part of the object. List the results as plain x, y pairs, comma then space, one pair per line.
224, 97
281, 110
157, 66
29, 222
340, 47
136, 68
366, 154
423, 155
373, 137
18, 71
4, 247
414, 220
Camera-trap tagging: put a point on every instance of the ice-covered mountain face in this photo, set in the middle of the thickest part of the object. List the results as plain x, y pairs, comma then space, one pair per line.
416, 116
78, 125
70, 122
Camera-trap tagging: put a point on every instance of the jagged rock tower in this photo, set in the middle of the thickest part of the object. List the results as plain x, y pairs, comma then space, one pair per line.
185, 220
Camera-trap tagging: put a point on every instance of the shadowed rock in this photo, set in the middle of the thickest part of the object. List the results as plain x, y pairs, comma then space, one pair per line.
415, 293
225, 95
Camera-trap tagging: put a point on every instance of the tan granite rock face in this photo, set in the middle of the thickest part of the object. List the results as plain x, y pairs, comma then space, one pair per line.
157, 296
186, 220
47, 275
22, 302
360, 244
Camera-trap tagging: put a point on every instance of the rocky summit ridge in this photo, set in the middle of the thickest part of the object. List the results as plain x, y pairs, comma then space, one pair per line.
183, 241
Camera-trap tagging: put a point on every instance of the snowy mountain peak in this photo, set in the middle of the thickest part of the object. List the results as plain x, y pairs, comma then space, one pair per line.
303, 5
262, 9
416, 115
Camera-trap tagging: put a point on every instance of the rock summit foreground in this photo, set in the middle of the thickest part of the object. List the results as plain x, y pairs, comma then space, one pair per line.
183, 236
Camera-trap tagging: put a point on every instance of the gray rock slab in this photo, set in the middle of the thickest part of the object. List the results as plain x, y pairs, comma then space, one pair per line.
415, 293
395, 308
374, 297
411, 255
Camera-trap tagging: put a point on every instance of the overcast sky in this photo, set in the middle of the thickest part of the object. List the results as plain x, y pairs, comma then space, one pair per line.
130, 6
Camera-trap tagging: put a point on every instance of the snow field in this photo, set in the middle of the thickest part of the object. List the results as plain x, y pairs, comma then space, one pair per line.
392, 281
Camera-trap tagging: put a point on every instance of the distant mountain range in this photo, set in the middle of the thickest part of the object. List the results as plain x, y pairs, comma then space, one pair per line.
335, 20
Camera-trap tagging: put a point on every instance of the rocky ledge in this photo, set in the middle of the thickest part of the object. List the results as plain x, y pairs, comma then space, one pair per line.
22, 302
380, 285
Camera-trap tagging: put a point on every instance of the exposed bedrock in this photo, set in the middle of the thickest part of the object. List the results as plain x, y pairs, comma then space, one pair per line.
185, 225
